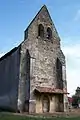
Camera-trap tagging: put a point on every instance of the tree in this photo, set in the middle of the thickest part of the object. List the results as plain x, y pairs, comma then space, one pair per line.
75, 101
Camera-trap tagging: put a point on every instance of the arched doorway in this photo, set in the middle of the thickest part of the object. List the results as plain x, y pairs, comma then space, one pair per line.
45, 104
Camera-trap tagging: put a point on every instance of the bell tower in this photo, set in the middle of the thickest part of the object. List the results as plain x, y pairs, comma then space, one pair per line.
42, 41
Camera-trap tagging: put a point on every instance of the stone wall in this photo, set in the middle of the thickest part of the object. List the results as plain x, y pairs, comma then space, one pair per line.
54, 104
24, 81
43, 54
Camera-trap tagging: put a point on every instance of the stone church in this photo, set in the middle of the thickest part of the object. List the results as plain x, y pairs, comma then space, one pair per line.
33, 75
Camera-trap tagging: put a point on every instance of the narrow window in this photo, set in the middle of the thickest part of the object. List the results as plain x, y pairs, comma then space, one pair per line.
40, 30
49, 33
59, 74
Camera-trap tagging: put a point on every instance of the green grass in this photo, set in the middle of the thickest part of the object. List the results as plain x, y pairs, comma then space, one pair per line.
7, 116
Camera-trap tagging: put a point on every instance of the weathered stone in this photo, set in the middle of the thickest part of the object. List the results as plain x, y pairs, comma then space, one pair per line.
41, 64
44, 53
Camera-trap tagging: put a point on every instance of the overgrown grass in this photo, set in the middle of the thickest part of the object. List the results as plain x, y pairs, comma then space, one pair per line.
6, 116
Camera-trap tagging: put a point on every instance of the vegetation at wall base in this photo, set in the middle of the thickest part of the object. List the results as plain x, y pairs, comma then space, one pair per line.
10, 116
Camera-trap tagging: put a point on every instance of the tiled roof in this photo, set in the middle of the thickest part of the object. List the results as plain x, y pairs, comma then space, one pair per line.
10, 53
49, 90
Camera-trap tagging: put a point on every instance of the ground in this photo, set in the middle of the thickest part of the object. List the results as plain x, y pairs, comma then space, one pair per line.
59, 116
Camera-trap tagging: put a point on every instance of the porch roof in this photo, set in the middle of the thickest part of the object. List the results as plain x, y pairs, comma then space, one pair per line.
49, 90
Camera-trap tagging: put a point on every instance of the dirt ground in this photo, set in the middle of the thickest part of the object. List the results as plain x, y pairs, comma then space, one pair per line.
71, 113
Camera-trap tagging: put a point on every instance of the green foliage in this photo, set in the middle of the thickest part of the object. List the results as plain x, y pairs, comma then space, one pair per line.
76, 97
75, 101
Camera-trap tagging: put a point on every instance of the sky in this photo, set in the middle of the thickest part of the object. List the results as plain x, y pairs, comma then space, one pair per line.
15, 16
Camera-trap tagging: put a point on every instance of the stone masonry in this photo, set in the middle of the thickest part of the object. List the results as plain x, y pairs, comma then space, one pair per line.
43, 54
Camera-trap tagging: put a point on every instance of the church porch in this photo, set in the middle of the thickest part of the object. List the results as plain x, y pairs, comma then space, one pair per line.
49, 100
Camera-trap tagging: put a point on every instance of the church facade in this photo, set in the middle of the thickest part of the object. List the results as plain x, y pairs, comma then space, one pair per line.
33, 75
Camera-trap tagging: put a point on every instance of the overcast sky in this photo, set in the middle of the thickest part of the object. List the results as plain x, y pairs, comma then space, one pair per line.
15, 15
